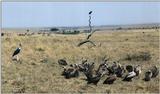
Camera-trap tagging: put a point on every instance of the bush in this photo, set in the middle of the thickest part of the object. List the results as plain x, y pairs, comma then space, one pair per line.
54, 29
142, 56
39, 49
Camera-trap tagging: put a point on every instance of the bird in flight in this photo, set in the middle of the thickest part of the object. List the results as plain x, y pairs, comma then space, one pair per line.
90, 12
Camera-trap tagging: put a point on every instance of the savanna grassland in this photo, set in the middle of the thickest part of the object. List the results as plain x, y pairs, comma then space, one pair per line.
38, 70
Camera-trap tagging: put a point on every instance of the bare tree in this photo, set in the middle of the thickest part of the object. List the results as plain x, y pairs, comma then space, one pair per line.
89, 35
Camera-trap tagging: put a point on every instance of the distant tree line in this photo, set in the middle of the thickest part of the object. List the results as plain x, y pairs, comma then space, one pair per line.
129, 28
58, 31
70, 31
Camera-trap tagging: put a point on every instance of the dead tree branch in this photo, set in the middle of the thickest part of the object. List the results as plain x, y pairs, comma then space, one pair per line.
89, 35
86, 41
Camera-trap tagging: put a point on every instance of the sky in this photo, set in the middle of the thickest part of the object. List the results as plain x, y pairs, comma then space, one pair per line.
51, 14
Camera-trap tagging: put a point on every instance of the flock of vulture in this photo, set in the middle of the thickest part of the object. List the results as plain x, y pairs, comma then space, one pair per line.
113, 71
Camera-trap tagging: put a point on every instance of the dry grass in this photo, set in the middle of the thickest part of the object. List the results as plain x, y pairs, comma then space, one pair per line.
39, 71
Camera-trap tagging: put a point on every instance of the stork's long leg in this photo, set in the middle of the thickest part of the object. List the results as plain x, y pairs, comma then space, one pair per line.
14, 58
17, 58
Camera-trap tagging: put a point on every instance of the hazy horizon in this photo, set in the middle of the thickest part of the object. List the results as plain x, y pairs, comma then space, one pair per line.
82, 26
70, 14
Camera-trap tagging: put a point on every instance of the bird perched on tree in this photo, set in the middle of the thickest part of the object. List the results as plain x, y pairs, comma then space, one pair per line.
90, 12
16, 52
